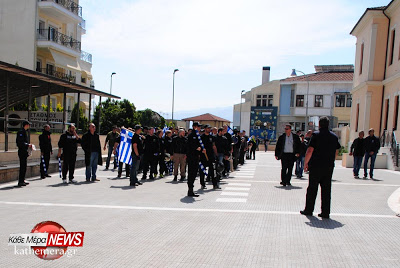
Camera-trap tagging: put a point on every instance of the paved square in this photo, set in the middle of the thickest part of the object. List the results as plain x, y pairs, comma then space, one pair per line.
251, 222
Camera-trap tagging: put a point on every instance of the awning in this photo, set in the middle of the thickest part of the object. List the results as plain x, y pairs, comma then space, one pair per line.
65, 60
42, 84
86, 74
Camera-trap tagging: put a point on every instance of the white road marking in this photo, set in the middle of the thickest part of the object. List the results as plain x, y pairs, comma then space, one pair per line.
394, 201
334, 183
232, 200
236, 189
194, 209
239, 184
235, 194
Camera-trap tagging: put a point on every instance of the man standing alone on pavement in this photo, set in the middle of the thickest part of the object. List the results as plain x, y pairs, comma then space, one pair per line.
110, 140
287, 149
45, 151
372, 146
357, 150
92, 148
320, 161
23, 145
68, 143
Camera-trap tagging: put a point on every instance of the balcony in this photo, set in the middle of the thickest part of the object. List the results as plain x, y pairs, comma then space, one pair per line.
61, 41
87, 57
66, 5
60, 75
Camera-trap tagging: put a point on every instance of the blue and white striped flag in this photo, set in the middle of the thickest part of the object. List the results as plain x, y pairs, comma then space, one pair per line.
230, 131
125, 147
164, 130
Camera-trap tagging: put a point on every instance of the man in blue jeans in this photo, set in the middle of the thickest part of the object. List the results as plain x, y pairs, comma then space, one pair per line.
372, 146
92, 148
137, 152
357, 150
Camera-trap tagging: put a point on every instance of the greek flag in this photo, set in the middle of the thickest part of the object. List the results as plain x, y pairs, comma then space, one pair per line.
164, 130
125, 147
230, 131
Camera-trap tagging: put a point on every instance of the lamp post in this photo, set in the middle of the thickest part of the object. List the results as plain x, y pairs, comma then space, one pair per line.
111, 82
308, 88
240, 118
173, 93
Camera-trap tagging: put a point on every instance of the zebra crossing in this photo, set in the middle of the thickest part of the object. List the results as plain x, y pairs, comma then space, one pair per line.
235, 192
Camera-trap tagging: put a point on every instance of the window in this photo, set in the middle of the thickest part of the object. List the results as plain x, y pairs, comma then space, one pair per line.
343, 100
50, 69
264, 100
349, 100
361, 58
387, 114
392, 46
340, 100
396, 112
38, 66
319, 100
357, 115
83, 80
292, 98
299, 100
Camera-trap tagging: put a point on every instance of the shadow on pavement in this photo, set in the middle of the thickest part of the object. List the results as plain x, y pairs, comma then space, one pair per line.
188, 199
38, 179
323, 223
289, 187
118, 178
124, 187
61, 184
10, 188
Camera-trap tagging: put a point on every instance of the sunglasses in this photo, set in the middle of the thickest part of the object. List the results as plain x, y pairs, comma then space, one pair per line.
287, 128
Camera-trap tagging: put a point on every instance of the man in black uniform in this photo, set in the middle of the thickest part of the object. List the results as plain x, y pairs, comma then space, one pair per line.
45, 150
287, 150
223, 151
209, 144
168, 150
137, 151
229, 138
194, 151
23, 145
320, 161
68, 143
148, 138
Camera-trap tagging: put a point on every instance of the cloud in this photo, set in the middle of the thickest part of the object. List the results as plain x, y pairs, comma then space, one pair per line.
218, 36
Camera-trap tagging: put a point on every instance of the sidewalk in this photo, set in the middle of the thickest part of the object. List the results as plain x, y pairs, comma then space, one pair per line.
251, 222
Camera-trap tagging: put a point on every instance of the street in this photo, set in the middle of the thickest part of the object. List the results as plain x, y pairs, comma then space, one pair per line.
251, 222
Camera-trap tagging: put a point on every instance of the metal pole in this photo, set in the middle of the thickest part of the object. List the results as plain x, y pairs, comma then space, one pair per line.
173, 95
90, 105
99, 114
48, 103
29, 107
64, 110
79, 111
240, 117
6, 113
111, 85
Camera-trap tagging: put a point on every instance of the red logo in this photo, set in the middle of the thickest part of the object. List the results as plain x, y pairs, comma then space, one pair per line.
58, 240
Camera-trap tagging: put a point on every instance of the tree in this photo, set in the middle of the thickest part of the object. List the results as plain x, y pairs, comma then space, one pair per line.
44, 106
113, 112
83, 121
24, 106
150, 118
59, 108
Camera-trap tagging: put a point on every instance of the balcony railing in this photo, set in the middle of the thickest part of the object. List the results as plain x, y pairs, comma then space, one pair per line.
59, 38
68, 4
86, 57
60, 75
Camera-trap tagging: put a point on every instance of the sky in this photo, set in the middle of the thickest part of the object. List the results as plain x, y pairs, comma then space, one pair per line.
219, 47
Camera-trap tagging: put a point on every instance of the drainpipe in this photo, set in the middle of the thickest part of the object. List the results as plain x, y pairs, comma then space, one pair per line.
384, 72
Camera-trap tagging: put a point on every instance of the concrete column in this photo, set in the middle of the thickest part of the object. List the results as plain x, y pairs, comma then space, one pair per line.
79, 110
6, 112
64, 109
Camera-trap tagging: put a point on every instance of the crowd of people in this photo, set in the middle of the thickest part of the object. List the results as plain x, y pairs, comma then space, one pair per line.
208, 152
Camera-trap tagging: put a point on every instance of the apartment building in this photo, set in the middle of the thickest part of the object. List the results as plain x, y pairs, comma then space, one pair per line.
45, 36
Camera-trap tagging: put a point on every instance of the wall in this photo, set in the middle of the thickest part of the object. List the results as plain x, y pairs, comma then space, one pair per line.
18, 32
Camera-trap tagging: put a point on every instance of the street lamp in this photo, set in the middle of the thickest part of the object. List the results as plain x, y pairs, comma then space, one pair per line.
308, 88
240, 118
173, 93
111, 82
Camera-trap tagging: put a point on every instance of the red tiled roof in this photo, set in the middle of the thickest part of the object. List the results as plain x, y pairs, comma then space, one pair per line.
206, 117
324, 76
